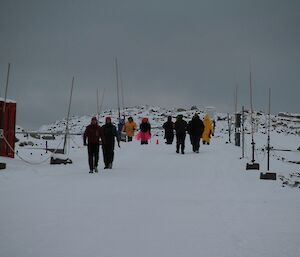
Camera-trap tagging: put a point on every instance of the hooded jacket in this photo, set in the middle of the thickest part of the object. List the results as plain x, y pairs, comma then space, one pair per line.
180, 126
208, 129
169, 126
93, 133
129, 128
196, 126
109, 135
145, 126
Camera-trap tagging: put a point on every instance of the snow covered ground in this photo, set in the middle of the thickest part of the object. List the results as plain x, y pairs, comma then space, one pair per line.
153, 202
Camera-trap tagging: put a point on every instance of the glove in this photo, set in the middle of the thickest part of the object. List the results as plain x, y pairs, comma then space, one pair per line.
84, 143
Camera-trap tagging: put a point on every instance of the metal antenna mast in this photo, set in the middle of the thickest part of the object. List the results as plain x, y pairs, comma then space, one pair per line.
97, 104
68, 116
269, 175
117, 77
252, 127
122, 91
236, 98
102, 100
243, 131
269, 125
252, 165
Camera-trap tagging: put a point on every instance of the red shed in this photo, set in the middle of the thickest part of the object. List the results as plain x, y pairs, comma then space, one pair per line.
9, 128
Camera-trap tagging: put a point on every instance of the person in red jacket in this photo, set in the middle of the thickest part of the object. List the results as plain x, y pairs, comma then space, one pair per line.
93, 133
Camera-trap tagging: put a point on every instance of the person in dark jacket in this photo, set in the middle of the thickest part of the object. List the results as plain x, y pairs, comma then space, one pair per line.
108, 145
195, 129
145, 131
180, 127
169, 130
93, 133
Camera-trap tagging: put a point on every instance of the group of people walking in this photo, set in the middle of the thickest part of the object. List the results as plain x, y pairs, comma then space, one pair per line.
107, 135
196, 128
95, 135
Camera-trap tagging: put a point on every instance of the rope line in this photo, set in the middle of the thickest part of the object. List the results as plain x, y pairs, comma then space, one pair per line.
27, 161
75, 143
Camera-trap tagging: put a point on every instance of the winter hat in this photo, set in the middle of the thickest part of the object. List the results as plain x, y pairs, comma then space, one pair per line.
145, 120
108, 119
179, 117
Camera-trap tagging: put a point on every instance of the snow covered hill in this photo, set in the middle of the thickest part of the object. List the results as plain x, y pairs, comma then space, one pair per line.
153, 202
283, 122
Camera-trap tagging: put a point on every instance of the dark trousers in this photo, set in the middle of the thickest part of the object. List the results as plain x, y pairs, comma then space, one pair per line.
195, 141
169, 138
108, 154
144, 142
129, 139
180, 142
93, 152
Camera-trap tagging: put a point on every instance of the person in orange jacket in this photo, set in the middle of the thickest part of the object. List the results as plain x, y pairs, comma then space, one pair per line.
208, 130
129, 128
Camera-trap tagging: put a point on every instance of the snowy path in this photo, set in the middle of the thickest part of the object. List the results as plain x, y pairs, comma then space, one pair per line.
153, 203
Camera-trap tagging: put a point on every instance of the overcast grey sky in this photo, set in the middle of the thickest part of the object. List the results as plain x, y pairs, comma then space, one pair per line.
171, 53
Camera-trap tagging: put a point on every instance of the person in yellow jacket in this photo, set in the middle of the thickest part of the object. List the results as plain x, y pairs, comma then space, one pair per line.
208, 130
129, 128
